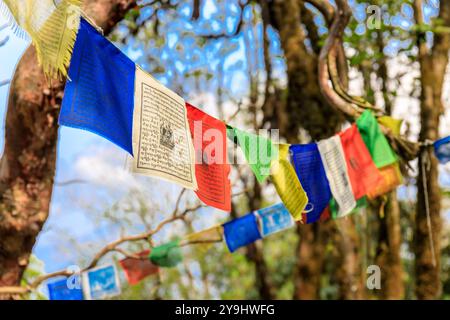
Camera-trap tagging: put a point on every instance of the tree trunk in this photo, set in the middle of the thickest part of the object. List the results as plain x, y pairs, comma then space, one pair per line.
349, 275
28, 163
432, 67
388, 251
305, 108
311, 255
389, 240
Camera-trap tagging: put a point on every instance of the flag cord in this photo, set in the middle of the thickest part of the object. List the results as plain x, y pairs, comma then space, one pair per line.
425, 165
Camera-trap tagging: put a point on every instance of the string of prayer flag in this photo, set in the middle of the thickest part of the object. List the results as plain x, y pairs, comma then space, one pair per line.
258, 151
241, 232
442, 150
59, 290
362, 171
111, 96
167, 255
274, 219
287, 184
100, 283
99, 96
137, 269
311, 173
211, 165
377, 144
52, 26
335, 166
162, 142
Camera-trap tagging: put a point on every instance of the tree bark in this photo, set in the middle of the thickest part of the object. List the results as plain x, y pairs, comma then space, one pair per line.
310, 263
389, 240
28, 163
388, 251
305, 108
433, 64
349, 275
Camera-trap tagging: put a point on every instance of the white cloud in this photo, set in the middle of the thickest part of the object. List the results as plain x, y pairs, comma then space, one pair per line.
106, 168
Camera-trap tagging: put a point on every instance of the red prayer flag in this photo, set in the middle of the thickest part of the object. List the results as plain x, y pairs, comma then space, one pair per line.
137, 269
326, 215
363, 173
211, 166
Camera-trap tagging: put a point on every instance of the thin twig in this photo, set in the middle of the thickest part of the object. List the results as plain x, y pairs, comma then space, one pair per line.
4, 82
70, 182
113, 246
4, 41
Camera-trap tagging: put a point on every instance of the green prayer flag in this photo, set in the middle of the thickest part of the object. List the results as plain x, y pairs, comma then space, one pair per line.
334, 209
258, 151
167, 255
379, 148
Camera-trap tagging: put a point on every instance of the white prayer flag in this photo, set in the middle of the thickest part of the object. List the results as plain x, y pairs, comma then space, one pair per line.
333, 159
162, 143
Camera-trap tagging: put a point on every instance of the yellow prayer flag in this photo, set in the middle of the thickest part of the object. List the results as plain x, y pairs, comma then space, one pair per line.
287, 184
52, 27
205, 237
392, 178
393, 124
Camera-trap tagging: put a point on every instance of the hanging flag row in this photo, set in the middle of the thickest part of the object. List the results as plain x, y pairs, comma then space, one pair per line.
168, 138
111, 96
103, 282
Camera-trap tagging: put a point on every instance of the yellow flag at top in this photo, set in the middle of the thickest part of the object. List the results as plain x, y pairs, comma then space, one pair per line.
206, 238
52, 26
394, 125
211, 235
287, 184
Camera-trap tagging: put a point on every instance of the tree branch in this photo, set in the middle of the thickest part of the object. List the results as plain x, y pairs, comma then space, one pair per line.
4, 82
4, 41
113, 246
340, 21
352, 107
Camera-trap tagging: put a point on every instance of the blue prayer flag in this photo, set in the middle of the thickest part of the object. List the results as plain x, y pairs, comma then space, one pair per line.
59, 290
99, 97
311, 173
241, 232
274, 219
101, 282
442, 150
